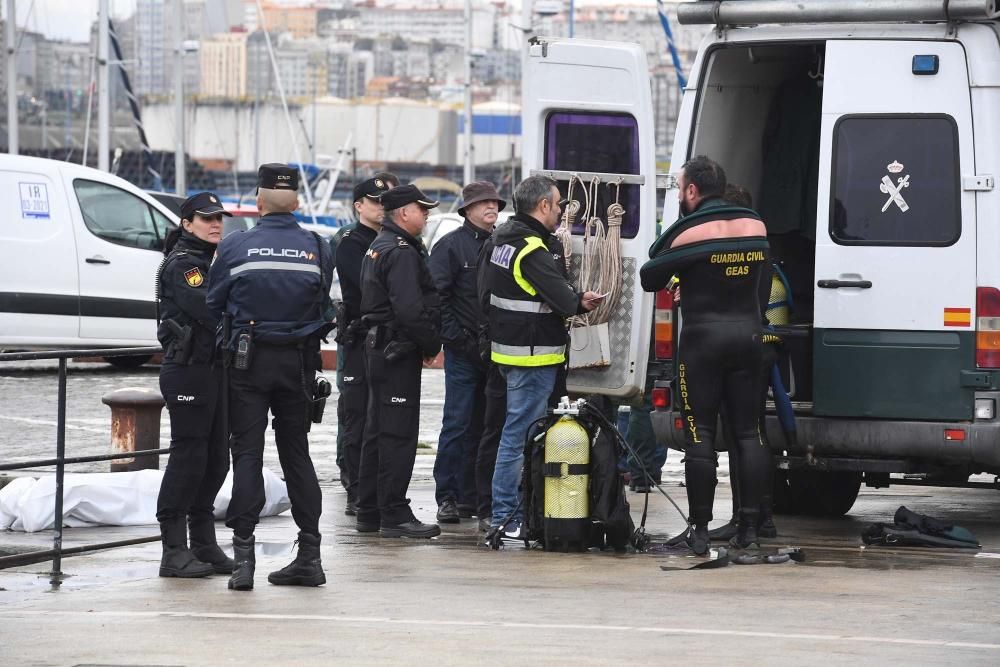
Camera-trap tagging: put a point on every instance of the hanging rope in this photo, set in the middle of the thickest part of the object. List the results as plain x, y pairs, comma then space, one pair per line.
565, 231
593, 244
610, 262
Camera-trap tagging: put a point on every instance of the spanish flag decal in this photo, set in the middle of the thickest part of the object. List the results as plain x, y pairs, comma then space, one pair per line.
193, 277
958, 317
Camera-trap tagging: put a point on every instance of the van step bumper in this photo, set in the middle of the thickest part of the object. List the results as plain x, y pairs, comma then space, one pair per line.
873, 439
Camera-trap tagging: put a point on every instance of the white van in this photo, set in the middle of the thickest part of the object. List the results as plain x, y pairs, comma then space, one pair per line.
868, 134
79, 250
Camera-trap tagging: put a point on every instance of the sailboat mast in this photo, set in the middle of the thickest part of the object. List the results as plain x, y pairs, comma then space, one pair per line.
103, 92
180, 171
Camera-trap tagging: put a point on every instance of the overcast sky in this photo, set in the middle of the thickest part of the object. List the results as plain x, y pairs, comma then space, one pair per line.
71, 19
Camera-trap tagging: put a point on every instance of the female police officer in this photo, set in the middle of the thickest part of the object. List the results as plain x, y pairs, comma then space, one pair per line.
190, 380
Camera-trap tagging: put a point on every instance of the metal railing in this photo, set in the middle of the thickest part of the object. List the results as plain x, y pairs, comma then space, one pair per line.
60, 461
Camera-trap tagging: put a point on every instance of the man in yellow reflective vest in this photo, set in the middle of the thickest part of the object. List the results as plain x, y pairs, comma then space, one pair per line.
527, 300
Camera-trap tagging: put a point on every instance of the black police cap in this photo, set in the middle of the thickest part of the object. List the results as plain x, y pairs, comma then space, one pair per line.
203, 203
373, 188
402, 195
277, 176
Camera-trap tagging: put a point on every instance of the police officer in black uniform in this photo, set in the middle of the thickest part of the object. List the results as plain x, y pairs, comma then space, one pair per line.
390, 180
352, 405
400, 307
190, 381
273, 282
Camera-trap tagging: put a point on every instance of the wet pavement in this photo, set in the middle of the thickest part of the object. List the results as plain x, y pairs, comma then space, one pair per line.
449, 601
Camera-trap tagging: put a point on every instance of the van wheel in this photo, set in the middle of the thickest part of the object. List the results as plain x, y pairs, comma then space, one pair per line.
818, 493
128, 363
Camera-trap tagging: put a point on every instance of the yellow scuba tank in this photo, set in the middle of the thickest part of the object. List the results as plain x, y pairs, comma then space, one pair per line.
777, 312
567, 486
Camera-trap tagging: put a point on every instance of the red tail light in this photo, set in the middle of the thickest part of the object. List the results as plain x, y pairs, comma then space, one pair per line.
661, 398
663, 319
987, 327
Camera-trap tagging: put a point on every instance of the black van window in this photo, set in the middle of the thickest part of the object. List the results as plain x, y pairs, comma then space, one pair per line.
117, 216
895, 181
596, 142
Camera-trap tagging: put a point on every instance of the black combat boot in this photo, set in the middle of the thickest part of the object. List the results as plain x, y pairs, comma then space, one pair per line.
204, 545
746, 534
306, 569
246, 561
177, 560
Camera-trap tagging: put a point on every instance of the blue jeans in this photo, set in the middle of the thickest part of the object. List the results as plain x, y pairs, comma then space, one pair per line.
528, 392
461, 428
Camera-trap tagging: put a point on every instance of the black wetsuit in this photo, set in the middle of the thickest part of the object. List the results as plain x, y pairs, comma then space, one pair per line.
720, 348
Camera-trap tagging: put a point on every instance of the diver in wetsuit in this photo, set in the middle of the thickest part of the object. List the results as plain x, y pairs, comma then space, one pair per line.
719, 252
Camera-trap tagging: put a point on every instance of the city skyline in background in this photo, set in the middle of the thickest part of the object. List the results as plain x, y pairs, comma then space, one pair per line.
384, 79
69, 19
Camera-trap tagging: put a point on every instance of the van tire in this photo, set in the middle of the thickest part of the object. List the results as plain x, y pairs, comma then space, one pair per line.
820, 493
129, 363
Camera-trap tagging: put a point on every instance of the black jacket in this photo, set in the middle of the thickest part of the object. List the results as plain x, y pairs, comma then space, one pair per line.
397, 290
350, 252
453, 268
276, 275
526, 295
182, 283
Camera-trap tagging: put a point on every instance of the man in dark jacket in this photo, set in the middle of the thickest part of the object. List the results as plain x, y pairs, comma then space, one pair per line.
390, 180
352, 405
400, 307
453, 267
529, 301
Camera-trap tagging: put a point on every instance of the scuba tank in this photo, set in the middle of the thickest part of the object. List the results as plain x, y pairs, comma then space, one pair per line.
566, 505
779, 301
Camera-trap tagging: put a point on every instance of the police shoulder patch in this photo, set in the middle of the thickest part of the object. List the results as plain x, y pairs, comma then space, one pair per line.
402, 242
193, 277
502, 255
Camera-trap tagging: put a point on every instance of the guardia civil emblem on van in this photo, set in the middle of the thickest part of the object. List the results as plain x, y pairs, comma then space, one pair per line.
894, 190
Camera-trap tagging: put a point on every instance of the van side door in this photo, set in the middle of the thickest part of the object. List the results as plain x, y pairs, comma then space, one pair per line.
895, 291
119, 237
587, 107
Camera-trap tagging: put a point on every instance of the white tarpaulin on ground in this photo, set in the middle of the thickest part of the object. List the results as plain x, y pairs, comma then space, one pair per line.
108, 499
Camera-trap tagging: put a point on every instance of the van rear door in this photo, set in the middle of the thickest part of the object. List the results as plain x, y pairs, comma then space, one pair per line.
895, 291
587, 110
39, 290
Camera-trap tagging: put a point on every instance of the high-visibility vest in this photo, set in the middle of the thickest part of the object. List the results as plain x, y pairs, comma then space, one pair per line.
524, 331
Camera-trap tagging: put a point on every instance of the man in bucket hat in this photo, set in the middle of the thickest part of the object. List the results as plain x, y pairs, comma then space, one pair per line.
453, 267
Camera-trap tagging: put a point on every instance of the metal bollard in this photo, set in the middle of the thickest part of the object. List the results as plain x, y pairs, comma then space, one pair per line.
135, 426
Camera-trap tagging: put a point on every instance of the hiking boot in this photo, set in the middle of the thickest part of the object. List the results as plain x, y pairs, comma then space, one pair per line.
204, 545
466, 511
411, 528
448, 512
306, 569
366, 524
698, 540
246, 561
177, 559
